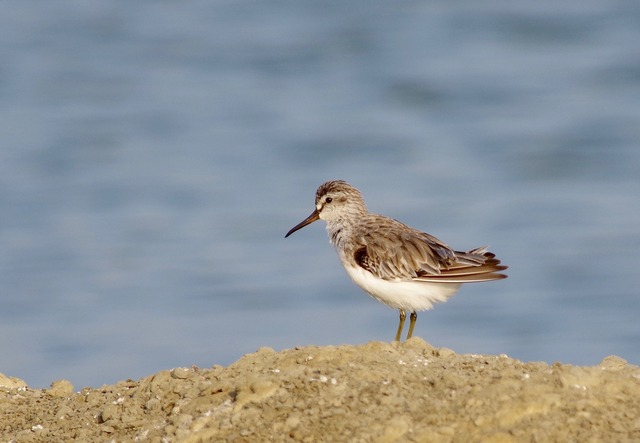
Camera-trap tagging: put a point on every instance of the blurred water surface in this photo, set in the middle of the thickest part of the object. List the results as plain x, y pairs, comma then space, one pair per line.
154, 154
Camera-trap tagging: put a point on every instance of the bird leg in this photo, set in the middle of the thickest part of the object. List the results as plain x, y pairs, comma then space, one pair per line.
403, 316
412, 323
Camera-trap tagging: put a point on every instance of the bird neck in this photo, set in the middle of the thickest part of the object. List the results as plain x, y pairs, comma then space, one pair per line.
338, 230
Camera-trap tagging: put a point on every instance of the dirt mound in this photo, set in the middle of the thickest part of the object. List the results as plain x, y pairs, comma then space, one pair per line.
380, 392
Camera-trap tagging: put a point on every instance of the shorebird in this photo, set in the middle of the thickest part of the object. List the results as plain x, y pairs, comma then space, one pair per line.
402, 267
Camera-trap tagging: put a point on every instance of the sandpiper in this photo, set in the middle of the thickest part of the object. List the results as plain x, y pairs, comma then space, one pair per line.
402, 267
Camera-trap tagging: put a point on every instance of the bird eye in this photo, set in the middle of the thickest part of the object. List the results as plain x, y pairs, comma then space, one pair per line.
328, 200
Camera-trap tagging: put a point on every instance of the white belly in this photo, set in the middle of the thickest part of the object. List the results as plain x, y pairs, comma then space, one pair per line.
407, 295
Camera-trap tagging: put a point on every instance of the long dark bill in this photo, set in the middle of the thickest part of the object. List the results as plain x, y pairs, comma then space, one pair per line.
307, 221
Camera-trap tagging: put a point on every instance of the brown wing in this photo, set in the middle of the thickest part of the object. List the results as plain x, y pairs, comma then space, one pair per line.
473, 266
393, 251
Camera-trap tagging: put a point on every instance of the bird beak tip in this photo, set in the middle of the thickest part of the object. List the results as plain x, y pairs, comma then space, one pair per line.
313, 217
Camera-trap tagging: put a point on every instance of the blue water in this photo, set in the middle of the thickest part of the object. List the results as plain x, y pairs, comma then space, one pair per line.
154, 154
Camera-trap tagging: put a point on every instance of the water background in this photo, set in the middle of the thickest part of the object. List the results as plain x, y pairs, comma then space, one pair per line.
154, 154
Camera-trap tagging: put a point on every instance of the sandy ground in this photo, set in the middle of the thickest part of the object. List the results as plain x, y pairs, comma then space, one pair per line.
378, 392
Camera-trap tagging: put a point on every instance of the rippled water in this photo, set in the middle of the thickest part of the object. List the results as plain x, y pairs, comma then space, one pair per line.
153, 155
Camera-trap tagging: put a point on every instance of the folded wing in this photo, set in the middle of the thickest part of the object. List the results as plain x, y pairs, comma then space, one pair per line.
401, 254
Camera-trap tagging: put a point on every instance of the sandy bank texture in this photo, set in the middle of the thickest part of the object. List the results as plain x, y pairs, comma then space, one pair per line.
378, 392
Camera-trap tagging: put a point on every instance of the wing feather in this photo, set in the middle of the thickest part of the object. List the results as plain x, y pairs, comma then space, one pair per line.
394, 251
